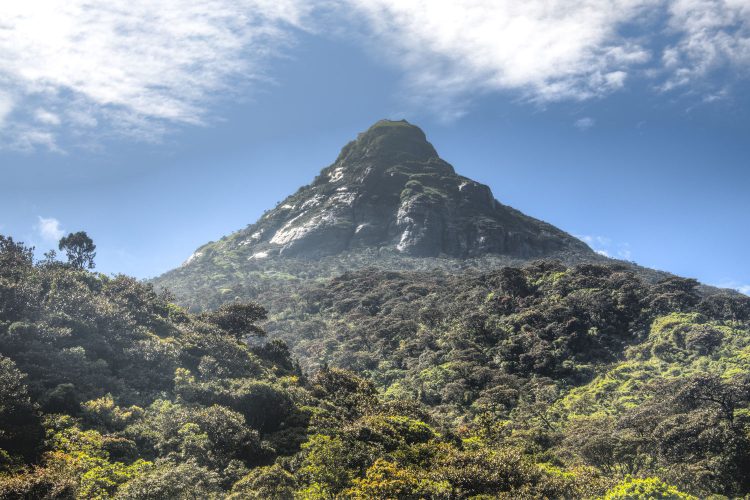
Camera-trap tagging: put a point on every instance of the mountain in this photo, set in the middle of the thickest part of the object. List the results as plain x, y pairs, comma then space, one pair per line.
389, 188
388, 200
393, 351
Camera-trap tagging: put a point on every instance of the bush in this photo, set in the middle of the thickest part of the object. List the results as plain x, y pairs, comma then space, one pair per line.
651, 488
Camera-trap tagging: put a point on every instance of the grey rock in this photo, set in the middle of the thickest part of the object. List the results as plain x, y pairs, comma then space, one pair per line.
389, 189
387, 202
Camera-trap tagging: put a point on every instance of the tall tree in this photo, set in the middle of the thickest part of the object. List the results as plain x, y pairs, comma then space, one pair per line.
80, 249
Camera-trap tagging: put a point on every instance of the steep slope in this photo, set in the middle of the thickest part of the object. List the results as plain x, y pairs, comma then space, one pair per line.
389, 188
388, 197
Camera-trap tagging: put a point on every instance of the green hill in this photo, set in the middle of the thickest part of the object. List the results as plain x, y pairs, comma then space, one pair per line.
545, 381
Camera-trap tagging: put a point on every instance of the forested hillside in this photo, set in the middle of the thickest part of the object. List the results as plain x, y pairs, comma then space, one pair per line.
545, 381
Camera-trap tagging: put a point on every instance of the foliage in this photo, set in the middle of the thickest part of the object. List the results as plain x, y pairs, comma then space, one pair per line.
545, 381
266, 482
646, 489
80, 250
239, 319
386, 480
169, 480
21, 432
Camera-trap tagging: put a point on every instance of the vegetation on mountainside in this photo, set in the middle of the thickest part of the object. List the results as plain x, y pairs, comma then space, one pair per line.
227, 272
545, 381
584, 365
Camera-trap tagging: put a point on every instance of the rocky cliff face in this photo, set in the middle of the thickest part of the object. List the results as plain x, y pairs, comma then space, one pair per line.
390, 189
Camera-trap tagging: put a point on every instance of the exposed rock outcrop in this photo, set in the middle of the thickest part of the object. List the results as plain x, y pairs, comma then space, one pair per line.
389, 188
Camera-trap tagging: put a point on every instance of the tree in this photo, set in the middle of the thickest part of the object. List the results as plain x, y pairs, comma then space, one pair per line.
386, 479
265, 482
16, 261
238, 318
80, 249
168, 480
20, 427
15, 258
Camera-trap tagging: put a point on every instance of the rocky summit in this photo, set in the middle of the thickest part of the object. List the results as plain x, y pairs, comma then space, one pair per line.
389, 188
389, 202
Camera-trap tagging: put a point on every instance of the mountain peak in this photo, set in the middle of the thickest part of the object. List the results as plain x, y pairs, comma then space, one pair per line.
389, 140
389, 189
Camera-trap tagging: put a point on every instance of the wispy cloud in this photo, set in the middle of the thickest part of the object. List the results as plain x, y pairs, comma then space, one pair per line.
594, 240
46, 117
711, 34
136, 65
49, 229
584, 123
623, 252
544, 51
734, 285
552, 50
606, 246
6, 106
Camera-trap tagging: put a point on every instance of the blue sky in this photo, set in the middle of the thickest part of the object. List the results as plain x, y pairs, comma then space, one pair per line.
157, 128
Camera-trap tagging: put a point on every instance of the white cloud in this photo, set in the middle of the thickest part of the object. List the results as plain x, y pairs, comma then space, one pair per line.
6, 106
548, 50
711, 34
624, 252
138, 67
46, 117
35, 138
136, 64
584, 123
606, 247
49, 229
594, 240
734, 285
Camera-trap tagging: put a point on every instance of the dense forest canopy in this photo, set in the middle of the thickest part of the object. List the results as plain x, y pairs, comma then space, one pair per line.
543, 381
